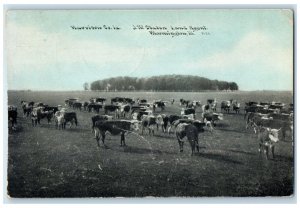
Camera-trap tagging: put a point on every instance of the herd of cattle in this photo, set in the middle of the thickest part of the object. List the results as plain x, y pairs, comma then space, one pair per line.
125, 115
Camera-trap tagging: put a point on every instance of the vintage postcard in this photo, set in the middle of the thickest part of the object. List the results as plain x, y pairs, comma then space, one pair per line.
138, 103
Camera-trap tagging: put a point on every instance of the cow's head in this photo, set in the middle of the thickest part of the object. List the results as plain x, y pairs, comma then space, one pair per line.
273, 134
134, 125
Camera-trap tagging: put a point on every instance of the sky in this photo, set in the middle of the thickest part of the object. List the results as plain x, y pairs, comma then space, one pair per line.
253, 48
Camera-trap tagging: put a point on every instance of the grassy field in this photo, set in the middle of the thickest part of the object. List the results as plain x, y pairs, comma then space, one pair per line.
46, 162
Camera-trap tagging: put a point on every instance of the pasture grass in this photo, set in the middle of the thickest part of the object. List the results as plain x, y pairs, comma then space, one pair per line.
46, 162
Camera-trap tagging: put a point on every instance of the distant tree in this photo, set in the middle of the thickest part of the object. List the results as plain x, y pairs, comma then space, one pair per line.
86, 86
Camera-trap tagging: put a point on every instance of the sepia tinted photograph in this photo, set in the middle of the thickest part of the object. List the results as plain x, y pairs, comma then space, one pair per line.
160, 103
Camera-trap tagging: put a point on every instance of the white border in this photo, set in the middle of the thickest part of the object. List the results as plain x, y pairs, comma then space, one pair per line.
148, 4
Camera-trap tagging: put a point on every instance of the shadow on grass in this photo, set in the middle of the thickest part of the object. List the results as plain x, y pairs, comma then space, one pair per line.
220, 158
242, 152
138, 150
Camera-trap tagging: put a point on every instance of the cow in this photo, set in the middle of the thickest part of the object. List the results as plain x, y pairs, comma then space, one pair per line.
148, 122
34, 116
111, 108
77, 105
252, 109
184, 102
267, 138
41, 114
69, 117
96, 118
98, 100
51, 108
191, 132
188, 111
162, 120
211, 118
236, 107
69, 102
159, 104
12, 117
27, 108
272, 121
137, 115
94, 107
59, 119
85, 106
172, 119
123, 110
114, 127
225, 106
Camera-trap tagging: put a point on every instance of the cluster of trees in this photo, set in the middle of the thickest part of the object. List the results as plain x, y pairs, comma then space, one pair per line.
162, 83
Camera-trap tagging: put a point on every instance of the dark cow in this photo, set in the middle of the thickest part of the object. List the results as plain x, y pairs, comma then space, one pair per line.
159, 104
69, 117
115, 128
138, 108
50, 108
94, 106
252, 109
184, 102
137, 115
12, 117
110, 108
96, 118
149, 122
77, 105
117, 100
97, 100
142, 101
191, 132
85, 106
70, 101
188, 111
41, 114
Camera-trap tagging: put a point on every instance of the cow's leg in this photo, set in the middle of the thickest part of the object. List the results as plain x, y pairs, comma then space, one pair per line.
192, 143
103, 138
180, 145
267, 151
123, 139
273, 151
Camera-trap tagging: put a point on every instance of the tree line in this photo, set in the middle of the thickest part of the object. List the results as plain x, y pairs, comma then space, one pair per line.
162, 83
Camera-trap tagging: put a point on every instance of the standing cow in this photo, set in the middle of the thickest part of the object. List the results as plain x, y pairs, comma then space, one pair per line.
116, 127
191, 132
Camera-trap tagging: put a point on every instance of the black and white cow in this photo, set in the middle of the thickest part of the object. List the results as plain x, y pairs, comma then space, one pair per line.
115, 127
191, 132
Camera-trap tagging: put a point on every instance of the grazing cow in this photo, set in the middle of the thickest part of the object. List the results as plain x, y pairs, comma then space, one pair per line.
12, 117
184, 102
94, 107
96, 118
115, 127
267, 138
77, 105
149, 122
142, 101
189, 131
97, 100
